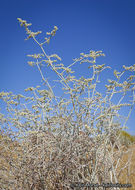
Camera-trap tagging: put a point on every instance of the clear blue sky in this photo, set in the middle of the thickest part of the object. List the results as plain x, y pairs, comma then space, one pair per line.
107, 25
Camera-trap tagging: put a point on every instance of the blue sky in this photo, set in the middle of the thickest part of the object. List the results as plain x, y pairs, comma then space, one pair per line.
107, 25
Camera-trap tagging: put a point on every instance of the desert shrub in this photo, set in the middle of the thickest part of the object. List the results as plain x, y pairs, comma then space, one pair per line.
126, 138
71, 138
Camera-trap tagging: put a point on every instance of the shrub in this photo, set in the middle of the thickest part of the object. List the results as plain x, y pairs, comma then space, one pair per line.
61, 140
126, 138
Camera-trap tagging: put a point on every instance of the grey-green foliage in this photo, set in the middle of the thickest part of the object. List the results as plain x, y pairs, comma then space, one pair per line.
67, 138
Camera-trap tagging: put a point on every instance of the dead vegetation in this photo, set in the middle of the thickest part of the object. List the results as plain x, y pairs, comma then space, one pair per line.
50, 162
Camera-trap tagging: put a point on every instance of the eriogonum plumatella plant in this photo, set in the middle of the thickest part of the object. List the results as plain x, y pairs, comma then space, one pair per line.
50, 142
